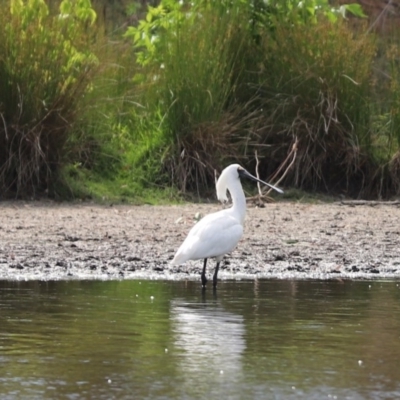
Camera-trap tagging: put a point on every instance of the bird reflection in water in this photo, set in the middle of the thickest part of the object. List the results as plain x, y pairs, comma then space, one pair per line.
211, 341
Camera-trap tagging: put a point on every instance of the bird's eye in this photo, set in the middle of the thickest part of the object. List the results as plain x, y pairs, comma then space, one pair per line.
240, 171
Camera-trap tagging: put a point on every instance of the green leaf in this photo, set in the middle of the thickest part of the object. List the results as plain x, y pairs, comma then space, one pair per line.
355, 9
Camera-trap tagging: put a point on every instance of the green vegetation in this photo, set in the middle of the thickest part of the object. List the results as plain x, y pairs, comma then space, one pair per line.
46, 67
151, 111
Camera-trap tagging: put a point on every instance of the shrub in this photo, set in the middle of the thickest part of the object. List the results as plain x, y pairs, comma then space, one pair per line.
314, 89
191, 65
233, 77
45, 69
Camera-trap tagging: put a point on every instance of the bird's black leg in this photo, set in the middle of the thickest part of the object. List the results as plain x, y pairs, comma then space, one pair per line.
215, 275
203, 274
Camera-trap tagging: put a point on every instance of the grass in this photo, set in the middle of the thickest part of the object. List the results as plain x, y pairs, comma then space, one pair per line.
80, 184
190, 87
316, 92
45, 68
90, 115
308, 84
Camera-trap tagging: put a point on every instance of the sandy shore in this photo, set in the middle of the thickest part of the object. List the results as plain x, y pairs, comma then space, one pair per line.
48, 241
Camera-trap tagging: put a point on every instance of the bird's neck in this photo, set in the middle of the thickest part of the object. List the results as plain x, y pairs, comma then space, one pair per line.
239, 201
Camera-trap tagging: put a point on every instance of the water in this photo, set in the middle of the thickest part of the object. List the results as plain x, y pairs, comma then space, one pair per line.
160, 340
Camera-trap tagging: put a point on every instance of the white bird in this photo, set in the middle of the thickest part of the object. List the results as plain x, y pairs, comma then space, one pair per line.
218, 234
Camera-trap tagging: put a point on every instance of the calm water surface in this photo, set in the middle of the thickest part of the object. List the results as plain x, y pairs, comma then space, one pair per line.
162, 340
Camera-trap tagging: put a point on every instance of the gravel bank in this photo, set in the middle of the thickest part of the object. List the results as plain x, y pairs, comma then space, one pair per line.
49, 241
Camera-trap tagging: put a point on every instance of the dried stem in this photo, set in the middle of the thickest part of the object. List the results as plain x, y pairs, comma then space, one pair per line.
257, 174
292, 155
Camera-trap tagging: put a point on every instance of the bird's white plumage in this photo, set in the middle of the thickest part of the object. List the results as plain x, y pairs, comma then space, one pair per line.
218, 233
213, 236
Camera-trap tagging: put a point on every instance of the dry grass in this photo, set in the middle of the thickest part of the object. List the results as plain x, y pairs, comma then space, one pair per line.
45, 69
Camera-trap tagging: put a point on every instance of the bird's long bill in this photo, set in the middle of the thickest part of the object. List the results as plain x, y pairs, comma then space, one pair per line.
246, 174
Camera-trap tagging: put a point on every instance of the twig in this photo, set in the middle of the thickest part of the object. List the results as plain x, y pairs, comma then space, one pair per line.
379, 17
294, 148
294, 151
353, 203
5, 126
292, 154
258, 175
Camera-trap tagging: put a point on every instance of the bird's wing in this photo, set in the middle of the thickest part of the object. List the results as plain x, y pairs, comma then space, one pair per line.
214, 235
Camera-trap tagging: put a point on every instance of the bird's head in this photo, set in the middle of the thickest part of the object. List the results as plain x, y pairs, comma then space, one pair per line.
233, 173
230, 173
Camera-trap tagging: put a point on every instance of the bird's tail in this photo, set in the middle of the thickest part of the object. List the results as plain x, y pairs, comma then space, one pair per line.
179, 259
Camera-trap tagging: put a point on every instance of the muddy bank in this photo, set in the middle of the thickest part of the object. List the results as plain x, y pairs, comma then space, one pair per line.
50, 241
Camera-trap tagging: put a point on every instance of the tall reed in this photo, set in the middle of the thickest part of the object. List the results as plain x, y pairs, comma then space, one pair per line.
237, 77
191, 77
45, 69
314, 88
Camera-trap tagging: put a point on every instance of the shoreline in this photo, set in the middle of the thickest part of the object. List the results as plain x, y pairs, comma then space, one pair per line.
52, 241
